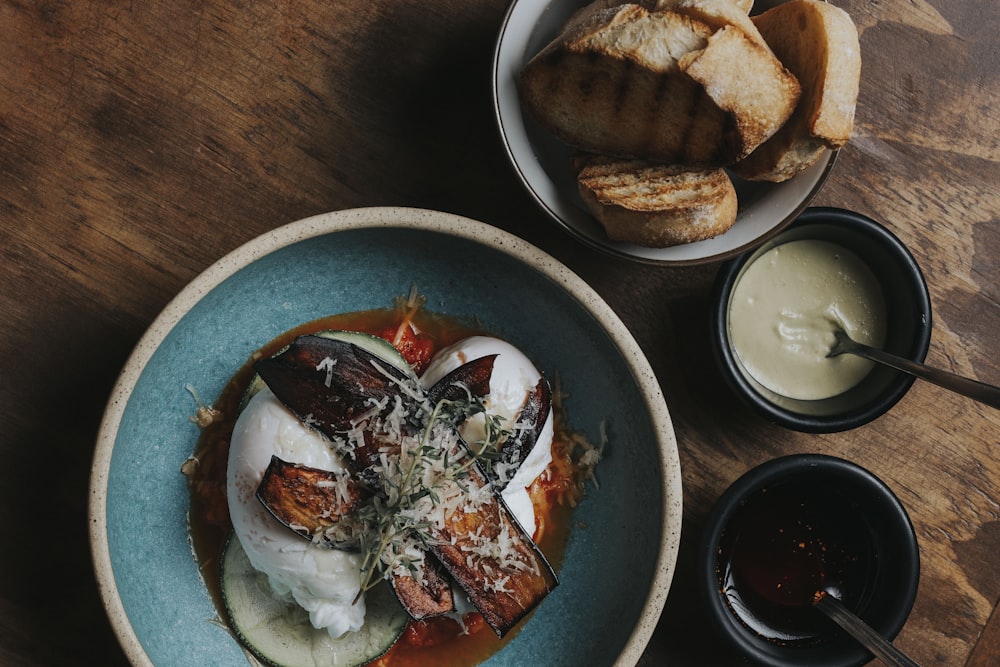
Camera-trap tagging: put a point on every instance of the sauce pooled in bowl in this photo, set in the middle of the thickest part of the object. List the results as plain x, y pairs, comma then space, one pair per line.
786, 543
785, 308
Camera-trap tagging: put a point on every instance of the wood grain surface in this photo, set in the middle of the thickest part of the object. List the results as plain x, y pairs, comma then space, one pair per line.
140, 141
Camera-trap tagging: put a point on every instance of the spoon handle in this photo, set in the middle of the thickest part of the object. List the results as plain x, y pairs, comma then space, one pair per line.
980, 391
861, 631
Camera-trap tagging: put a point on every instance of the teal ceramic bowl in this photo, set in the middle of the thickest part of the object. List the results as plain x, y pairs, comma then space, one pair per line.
623, 544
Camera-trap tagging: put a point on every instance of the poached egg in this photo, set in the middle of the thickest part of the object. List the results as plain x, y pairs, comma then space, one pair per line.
325, 582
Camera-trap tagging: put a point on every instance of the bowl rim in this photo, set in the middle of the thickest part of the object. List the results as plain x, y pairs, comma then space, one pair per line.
385, 217
785, 468
725, 357
819, 171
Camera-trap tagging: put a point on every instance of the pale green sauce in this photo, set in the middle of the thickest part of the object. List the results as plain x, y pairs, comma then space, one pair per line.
783, 312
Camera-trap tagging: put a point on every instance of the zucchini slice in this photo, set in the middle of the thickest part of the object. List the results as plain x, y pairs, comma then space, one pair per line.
372, 344
279, 633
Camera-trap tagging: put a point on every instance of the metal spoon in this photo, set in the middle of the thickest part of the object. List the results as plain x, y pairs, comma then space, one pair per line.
861, 631
980, 391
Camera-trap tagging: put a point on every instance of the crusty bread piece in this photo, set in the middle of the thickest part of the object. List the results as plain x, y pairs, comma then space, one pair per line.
624, 81
656, 205
818, 42
744, 78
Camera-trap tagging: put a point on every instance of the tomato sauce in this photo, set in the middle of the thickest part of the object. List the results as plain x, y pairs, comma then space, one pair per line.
417, 334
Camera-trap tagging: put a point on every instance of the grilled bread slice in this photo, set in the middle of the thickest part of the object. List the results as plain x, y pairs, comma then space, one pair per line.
656, 205
611, 83
818, 42
626, 81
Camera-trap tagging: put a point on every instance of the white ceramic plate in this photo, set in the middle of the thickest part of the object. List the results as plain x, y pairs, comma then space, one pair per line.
542, 162
620, 557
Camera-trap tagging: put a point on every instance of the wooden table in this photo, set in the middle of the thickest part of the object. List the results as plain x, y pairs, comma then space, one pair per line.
141, 141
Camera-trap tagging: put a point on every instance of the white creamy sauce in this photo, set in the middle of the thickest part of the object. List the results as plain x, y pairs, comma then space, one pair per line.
785, 308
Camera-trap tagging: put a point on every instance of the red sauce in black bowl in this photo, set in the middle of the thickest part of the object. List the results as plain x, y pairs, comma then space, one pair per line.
785, 543
791, 527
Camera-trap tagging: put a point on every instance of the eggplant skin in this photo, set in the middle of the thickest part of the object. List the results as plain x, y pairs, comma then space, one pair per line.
329, 383
432, 598
535, 411
472, 377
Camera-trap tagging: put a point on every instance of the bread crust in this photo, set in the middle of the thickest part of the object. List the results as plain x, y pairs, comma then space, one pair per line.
661, 94
744, 78
716, 14
819, 43
656, 205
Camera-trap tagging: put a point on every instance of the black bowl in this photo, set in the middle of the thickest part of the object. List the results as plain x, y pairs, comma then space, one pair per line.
908, 328
870, 557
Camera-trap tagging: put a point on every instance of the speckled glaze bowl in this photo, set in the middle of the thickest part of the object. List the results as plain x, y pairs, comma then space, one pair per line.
908, 324
620, 557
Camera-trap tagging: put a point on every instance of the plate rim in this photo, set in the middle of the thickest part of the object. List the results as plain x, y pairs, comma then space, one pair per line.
384, 217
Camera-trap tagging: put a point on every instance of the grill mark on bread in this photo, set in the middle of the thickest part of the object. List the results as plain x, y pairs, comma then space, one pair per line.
623, 89
655, 205
586, 84
615, 81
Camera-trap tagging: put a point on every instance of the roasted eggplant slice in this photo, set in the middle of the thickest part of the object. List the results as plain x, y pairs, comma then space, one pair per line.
495, 562
431, 598
472, 378
330, 384
515, 449
340, 389
310, 501
314, 503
